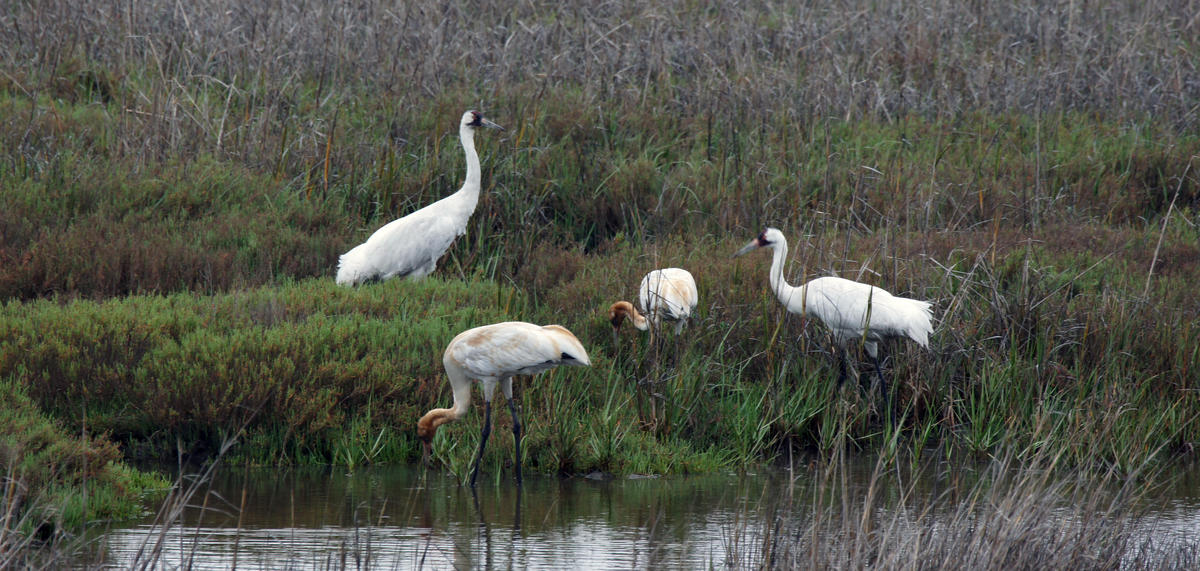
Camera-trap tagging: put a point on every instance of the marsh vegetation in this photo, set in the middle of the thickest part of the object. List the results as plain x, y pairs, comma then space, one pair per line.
178, 180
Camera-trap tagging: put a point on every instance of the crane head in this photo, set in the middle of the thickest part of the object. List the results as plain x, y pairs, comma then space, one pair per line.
475, 119
763, 240
617, 314
425, 433
427, 426
622, 310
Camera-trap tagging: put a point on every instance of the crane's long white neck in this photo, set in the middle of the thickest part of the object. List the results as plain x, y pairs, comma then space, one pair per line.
470, 187
639, 320
783, 290
461, 386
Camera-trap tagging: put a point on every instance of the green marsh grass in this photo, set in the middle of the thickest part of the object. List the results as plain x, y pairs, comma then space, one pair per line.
57, 482
322, 358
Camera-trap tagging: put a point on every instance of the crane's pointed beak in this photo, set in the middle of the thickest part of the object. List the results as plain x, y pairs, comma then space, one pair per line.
753, 245
490, 125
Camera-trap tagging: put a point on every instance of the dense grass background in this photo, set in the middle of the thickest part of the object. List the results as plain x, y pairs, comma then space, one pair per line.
178, 181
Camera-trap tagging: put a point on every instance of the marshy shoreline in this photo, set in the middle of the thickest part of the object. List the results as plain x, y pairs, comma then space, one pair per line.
178, 182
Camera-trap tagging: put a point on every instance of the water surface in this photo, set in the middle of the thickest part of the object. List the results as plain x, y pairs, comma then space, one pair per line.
403, 517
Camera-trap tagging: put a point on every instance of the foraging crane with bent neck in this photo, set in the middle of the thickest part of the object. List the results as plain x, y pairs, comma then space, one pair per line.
853, 311
410, 246
668, 293
493, 354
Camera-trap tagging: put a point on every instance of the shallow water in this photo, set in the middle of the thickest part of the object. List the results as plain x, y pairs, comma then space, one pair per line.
400, 517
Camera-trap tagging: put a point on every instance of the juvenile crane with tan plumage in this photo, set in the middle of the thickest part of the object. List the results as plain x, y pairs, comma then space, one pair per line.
492, 355
667, 294
853, 312
410, 246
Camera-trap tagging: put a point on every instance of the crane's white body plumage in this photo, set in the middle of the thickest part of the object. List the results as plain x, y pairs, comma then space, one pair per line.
667, 294
411, 246
492, 355
856, 311
497, 352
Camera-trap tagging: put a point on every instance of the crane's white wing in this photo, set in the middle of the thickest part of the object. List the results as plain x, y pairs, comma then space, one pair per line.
408, 246
849, 307
513, 348
670, 292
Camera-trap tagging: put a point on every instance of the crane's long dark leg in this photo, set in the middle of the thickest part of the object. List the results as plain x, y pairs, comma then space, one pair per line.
887, 395
840, 355
843, 359
483, 438
516, 420
514, 407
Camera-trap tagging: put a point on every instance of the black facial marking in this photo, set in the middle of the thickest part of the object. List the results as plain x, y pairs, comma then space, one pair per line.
567, 357
477, 120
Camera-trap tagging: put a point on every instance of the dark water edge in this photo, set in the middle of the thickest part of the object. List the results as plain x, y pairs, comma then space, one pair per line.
402, 517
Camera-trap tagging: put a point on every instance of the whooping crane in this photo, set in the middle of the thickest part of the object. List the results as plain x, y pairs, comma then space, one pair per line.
493, 354
410, 246
853, 312
669, 294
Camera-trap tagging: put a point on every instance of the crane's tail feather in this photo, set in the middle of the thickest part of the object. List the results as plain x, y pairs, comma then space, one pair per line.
918, 320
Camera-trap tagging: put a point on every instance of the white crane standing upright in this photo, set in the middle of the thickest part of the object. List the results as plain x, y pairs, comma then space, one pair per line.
410, 246
493, 354
669, 294
853, 311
